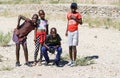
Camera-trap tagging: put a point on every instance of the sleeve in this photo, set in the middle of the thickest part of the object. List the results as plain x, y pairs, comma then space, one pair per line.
47, 40
46, 22
79, 16
59, 38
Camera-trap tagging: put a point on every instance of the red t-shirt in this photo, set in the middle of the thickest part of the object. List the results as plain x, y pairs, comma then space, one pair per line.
72, 24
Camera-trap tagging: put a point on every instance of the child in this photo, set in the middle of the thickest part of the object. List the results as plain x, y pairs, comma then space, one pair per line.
40, 35
74, 18
20, 35
52, 43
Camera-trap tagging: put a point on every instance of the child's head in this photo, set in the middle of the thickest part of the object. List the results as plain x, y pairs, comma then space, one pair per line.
41, 14
73, 7
34, 18
53, 32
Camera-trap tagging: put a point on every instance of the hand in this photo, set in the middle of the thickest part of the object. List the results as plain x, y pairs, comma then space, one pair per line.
56, 46
51, 50
34, 39
66, 34
73, 17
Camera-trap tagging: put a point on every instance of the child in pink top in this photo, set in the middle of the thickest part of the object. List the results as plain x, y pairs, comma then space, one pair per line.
40, 35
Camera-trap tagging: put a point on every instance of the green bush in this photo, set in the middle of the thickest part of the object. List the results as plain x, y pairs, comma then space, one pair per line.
5, 38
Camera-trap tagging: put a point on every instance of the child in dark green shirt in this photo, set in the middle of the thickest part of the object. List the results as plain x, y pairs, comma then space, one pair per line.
52, 44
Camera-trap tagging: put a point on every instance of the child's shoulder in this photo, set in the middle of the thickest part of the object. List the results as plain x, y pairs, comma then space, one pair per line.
58, 35
43, 20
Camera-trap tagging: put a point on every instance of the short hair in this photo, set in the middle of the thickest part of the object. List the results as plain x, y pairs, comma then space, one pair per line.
53, 29
41, 11
73, 5
35, 15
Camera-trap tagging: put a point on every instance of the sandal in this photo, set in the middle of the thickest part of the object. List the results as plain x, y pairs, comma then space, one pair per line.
39, 63
34, 64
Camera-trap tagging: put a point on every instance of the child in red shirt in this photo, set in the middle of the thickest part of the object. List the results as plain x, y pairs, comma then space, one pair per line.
74, 18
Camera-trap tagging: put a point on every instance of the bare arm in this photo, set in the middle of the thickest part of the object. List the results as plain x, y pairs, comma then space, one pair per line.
45, 45
19, 19
66, 33
35, 30
47, 29
77, 20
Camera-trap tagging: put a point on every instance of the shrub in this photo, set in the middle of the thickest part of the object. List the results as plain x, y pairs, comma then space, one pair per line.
84, 61
6, 68
0, 58
5, 38
80, 61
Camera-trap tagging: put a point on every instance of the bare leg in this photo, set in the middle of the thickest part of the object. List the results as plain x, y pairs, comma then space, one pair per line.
41, 56
75, 52
17, 52
25, 51
70, 52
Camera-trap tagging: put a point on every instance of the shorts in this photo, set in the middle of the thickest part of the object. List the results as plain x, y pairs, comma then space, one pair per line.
73, 38
19, 40
42, 36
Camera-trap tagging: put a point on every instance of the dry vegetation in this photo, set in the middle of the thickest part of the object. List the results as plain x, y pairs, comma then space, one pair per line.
110, 2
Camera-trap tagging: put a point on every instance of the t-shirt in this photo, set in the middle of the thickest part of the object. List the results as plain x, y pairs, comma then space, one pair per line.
25, 28
42, 24
72, 24
50, 41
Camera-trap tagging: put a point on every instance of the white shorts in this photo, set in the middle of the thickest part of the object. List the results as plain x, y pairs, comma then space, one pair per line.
73, 38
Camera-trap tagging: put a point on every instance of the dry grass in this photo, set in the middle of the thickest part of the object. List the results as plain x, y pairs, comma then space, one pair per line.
99, 21
5, 38
80, 61
6, 68
113, 2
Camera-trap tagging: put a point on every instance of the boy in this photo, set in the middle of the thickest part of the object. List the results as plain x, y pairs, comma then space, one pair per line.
52, 43
74, 18
20, 35
40, 35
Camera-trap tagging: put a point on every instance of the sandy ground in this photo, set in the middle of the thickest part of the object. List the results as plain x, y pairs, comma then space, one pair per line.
102, 42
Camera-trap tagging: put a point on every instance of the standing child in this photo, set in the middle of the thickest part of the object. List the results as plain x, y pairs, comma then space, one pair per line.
20, 36
40, 36
74, 18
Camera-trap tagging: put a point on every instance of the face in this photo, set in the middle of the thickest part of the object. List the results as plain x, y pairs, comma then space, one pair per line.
41, 14
34, 19
73, 9
53, 33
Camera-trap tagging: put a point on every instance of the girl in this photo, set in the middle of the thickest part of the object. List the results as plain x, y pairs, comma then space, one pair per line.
40, 36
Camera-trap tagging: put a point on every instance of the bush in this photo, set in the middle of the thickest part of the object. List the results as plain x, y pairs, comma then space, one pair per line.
84, 61
5, 39
6, 68
80, 61
1, 58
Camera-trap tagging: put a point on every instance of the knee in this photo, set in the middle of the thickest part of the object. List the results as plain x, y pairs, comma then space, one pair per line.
59, 49
44, 49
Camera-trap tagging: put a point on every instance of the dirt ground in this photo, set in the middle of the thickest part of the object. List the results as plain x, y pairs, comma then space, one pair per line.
101, 42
